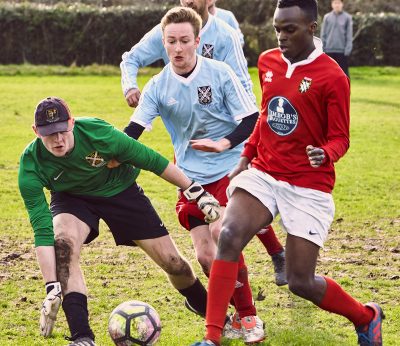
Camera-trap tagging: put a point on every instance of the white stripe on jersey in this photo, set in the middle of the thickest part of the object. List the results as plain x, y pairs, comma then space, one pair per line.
242, 63
244, 98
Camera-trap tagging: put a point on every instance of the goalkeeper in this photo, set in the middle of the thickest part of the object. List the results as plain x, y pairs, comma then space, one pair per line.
70, 159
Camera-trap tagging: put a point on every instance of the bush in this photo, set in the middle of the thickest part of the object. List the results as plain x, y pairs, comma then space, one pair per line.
76, 34
84, 35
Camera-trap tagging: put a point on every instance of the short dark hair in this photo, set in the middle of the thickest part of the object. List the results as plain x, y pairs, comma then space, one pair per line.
310, 7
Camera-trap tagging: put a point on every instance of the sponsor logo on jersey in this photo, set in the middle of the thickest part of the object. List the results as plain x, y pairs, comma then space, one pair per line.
305, 84
52, 115
268, 76
282, 116
207, 51
172, 101
204, 94
95, 160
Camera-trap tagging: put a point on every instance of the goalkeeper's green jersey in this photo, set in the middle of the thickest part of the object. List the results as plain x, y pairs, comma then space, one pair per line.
83, 171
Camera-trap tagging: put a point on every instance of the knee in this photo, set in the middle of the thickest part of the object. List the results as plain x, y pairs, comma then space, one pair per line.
301, 287
176, 265
229, 242
205, 261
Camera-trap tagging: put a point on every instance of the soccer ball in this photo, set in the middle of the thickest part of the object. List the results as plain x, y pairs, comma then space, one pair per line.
134, 323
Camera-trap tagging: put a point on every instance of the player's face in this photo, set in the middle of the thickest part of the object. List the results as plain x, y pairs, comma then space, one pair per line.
337, 6
59, 143
181, 44
200, 6
294, 32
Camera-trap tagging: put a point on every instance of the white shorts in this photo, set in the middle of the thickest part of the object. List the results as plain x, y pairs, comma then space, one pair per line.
305, 213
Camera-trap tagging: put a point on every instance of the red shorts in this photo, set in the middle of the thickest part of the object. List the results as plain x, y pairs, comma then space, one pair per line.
184, 208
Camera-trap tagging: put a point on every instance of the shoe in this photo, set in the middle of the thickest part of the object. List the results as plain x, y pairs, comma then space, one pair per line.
252, 329
204, 343
82, 341
192, 309
371, 334
233, 327
279, 268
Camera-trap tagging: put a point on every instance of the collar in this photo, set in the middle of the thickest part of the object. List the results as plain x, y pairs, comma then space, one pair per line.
314, 55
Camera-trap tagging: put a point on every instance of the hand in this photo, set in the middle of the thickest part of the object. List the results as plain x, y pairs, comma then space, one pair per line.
113, 163
205, 201
315, 155
242, 165
50, 307
132, 97
208, 145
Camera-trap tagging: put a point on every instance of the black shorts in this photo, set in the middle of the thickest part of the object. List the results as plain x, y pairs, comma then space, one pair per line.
129, 214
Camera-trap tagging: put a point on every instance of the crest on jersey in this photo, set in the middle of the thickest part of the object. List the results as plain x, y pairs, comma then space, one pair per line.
95, 160
305, 84
205, 95
268, 76
208, 51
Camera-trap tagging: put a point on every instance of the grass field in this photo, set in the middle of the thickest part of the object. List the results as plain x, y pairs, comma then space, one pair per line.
362, 253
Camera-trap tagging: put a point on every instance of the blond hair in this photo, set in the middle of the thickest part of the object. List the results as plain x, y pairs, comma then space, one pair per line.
182, 15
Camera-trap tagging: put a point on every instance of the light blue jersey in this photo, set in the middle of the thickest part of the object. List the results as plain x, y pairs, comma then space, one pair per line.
208, 104
229, 18
218, 41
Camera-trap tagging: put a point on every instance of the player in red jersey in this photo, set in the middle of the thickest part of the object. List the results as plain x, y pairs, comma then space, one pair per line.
302, 130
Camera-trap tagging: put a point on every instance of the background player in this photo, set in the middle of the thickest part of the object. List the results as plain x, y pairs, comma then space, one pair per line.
218, 41
70, 159
298, 141
227, 16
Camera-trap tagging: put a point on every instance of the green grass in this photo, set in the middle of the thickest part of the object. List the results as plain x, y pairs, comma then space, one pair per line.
362, 253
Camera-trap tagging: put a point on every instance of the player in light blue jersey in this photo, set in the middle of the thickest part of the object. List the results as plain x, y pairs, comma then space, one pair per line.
209, 103
203, 105
227, 16
218, 41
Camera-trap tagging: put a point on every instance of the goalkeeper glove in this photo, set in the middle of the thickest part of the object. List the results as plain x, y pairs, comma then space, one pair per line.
50, 306
205, 201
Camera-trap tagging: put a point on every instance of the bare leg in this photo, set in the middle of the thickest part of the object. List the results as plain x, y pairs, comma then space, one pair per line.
165, 254
301, 259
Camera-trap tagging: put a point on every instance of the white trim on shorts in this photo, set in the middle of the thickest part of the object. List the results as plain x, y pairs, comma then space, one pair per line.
305, 212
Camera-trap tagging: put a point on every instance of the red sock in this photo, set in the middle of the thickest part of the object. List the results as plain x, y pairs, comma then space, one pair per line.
242, 296
270, 241
220, 289
338, 301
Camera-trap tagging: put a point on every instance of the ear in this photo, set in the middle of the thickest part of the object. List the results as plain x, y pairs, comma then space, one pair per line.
71, 123
36, 131
313, 27
197, 41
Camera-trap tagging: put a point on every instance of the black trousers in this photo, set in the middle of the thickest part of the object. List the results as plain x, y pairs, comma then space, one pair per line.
342, 60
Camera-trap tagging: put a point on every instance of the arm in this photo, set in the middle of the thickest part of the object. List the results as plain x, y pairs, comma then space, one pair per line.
249, 151
349, 37
134, 130
237, 136
148, 50
338, 132
32, 192
232, 21
235, 58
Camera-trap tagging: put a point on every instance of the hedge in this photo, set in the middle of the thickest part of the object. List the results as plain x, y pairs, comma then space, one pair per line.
83, 35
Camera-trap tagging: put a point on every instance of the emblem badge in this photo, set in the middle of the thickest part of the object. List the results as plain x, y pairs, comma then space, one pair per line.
52, 115
95, 160
268, 76
205, 95
208, 51
305, 84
